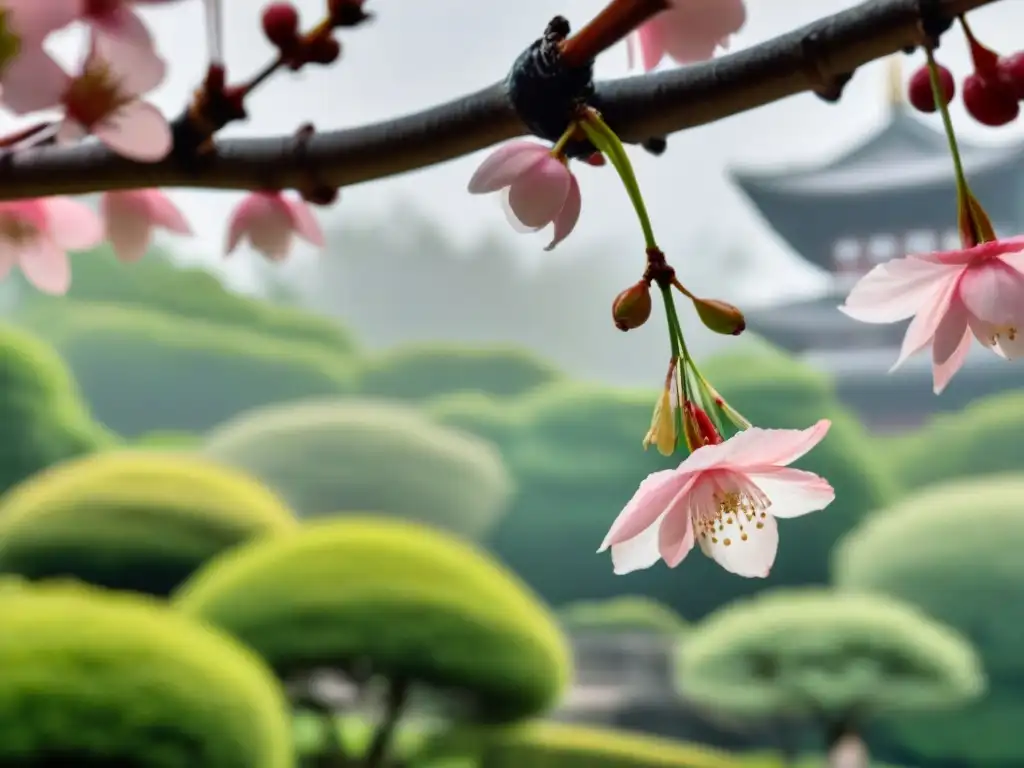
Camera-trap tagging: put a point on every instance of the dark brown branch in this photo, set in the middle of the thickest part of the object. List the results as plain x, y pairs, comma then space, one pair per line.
813, 58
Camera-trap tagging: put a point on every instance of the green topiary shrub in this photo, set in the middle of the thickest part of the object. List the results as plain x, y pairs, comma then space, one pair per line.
42, 418
575, 455
141, 521
144, 371
985, 437
622, 614
94, 679
327, 457
419, 371
832, 658
192, 293
412, 604
557, 745
954, 551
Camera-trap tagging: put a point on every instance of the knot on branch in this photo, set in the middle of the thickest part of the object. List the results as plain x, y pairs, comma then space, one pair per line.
546, 93
934, 23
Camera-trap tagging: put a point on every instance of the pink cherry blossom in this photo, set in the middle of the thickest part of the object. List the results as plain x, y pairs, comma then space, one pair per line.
725, 498
539, 188
132, 215
689, 31
37, 234
952, 296
104, 101
269, 220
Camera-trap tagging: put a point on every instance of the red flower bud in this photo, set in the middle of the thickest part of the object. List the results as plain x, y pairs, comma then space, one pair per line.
632, 307
699, 428
281, 24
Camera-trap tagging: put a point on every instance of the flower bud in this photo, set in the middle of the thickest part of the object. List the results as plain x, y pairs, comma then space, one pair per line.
699, 428
632, 307
662, 433
720, 316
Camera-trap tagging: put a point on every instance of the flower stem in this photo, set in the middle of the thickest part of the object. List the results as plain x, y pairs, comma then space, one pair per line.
614, 22
963, 192
605, 139
556, 151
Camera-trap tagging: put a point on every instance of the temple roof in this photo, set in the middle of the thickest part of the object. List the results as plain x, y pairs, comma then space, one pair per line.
902, 153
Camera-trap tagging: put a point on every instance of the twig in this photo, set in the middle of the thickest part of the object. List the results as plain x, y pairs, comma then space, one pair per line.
808, 59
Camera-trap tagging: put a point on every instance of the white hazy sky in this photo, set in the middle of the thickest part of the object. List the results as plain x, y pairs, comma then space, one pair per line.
416, 54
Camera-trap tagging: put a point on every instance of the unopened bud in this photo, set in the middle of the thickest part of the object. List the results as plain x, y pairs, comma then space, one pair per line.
662, 433
700, 430
632, 307
720, 316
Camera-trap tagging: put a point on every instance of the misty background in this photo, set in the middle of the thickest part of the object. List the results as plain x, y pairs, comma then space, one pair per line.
415, 55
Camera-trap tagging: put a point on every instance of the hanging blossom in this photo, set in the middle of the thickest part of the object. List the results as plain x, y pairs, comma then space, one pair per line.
689, 31
537, 186
36, 235
954, 296
269, 221
132, 215
725, 498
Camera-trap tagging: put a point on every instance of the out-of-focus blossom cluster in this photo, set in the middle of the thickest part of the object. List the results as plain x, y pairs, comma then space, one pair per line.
105, 99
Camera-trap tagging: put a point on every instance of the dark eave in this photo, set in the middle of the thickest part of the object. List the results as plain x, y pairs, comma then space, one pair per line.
903, 155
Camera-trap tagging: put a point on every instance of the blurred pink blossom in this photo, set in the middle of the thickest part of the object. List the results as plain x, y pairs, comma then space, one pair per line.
953, 296
117, 20
36, 235
539, 188
268, 220
25, 67
132, 215
103, 100
689, 31
724, 497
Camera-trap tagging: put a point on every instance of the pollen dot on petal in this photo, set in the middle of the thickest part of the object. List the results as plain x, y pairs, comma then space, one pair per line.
727, 542
743, 537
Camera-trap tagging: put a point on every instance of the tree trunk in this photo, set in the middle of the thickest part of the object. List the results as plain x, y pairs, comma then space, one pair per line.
334, 753
846, 749
394, 704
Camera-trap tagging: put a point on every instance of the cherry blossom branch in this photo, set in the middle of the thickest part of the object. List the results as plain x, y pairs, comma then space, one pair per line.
819, 57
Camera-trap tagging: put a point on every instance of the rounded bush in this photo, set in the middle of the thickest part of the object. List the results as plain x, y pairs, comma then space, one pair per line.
576, 459
954, 551
43, 418
144, 371
818, 653
622, 614
141, 521
158, 284
95, 679
415, 604
573, 746
419, 371
326, 457
985, 437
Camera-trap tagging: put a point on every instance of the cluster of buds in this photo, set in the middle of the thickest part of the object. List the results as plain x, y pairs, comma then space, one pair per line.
991, 93
632, 307
688, 404
297, 49
691, 407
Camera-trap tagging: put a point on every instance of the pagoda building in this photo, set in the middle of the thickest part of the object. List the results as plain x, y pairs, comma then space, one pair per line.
890, 195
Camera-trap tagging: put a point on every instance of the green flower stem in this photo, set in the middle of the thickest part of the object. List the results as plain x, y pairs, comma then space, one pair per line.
604, 138
563, 140
963, 191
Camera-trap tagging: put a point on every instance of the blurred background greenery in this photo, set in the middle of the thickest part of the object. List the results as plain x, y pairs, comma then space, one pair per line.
233, 536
